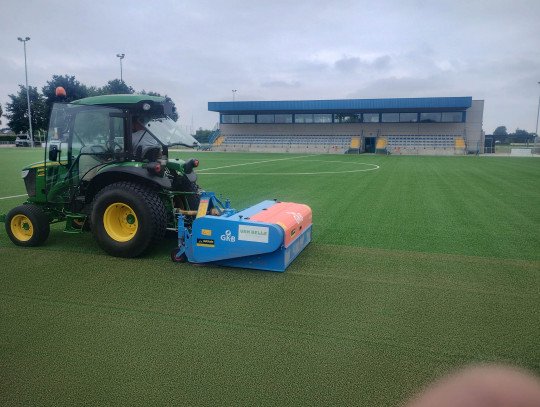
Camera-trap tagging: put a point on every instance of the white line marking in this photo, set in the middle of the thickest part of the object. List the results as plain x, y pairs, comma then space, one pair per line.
255, 162
373, 167
14, 196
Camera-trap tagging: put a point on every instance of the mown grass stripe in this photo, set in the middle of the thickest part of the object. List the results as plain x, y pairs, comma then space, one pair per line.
435, 354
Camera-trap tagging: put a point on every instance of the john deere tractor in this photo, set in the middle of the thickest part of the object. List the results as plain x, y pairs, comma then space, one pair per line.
107, 169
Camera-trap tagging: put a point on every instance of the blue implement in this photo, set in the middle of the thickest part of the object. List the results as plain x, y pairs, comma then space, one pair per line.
266, 236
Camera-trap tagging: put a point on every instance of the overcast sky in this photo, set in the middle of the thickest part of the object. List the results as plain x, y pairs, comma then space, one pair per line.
198, 51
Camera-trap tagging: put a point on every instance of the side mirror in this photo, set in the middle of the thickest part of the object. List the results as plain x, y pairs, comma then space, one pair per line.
53, 153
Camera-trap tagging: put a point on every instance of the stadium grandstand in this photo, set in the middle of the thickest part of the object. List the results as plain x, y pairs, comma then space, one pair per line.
435, 126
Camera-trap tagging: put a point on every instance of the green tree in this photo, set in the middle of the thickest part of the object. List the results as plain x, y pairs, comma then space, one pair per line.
500, 131
74, 90
202, 136
115, 87
17, 111
1, 114
521, 136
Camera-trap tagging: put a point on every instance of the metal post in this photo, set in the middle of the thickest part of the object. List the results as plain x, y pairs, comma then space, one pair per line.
27, 90
537, 113
233, 94
121, 56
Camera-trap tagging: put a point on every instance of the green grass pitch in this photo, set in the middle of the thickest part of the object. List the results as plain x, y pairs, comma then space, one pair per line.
418, 265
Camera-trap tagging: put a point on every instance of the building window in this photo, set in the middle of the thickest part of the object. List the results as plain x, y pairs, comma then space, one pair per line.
408, 117
390, 117
283, 118
246, 118
322, 118
265, 118
303, 118
452, 117
430, 117
371, 117
348, 118
229, 118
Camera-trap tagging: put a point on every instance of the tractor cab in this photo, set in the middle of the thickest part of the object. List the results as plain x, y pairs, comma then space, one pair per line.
80, 141
90, 134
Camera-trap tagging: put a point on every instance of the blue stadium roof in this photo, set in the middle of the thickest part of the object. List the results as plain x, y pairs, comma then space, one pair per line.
344, 105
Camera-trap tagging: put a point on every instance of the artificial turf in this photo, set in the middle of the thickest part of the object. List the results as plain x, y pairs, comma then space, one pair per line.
416, 268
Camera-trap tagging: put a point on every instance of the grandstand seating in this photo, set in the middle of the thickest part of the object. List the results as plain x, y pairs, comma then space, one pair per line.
380, 146
382, 142
388, 144
219, 141
459, 142
430, 144
337, 144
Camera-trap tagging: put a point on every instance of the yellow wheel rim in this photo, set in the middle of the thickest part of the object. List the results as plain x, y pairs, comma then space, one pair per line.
120, 222
22, 228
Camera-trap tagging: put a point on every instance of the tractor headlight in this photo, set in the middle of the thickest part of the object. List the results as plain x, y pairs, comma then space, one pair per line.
24, 173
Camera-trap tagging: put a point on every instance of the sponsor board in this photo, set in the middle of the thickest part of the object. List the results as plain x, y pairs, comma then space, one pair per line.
253, 233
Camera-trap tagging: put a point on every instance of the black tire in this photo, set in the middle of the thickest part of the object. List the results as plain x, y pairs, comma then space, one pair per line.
27, 225
183, 184
127, 219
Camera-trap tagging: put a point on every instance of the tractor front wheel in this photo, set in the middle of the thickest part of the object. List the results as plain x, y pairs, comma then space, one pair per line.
127, 219
27, 225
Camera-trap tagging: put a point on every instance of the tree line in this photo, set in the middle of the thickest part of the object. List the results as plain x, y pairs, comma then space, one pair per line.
501, 135
41, 102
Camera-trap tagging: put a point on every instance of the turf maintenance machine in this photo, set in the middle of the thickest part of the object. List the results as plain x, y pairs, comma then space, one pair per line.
266, 236
106, 169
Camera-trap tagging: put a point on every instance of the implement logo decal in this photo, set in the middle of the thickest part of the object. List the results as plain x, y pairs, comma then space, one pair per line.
228, 237
253, 233
205, 242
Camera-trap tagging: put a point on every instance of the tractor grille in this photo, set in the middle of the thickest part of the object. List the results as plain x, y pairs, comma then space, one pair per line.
30, 182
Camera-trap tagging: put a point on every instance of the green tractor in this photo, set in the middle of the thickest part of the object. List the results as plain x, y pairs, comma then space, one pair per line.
107, 169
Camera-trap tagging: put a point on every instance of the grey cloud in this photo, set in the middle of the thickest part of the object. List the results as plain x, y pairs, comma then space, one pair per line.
355, 64
382, 62
281, 84
348, 64
396, 87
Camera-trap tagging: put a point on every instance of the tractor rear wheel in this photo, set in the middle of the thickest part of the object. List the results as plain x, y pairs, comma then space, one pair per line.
127, 219
27, 225
184, 184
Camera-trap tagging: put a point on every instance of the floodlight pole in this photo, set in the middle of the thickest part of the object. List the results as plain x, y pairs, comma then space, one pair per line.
233, 94
537, 114
121, 56
27, 90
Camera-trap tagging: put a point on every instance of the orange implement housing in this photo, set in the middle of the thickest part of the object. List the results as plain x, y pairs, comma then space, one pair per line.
292, 217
